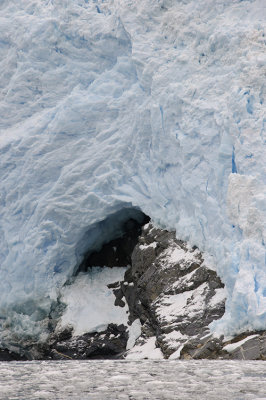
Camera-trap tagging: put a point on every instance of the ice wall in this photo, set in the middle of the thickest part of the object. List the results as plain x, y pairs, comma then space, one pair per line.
111, 104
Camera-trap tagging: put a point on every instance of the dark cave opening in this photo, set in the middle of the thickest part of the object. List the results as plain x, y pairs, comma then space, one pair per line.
114, 240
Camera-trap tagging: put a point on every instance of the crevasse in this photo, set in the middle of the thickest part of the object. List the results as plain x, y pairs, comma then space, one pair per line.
108, 105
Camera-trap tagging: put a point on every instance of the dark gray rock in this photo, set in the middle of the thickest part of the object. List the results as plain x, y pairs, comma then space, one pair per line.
165, 270
162, 268
263, 346
247, 346
110, 343
197, 349
6, 355
250, 350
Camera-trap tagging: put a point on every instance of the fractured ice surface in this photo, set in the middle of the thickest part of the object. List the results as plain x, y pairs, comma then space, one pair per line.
90, 303
110, 104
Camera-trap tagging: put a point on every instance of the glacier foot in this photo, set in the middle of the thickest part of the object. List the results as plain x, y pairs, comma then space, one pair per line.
158, 306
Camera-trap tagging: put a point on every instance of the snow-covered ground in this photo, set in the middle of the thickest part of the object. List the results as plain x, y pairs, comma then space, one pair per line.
104, 105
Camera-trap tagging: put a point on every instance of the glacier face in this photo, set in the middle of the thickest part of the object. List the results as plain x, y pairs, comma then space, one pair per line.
109, 105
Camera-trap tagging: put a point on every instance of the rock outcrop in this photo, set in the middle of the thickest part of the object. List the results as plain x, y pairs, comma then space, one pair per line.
176, 295
171, 290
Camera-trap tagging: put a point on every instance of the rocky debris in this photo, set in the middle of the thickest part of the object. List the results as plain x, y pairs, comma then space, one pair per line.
110, 343
246, 346
7, 355
62, 345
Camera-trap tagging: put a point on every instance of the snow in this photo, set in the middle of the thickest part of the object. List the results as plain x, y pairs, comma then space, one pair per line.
134, 331
219, 297
111, 105
175, 340
144, 247
147, 350
189, 303
175, 336
90, 304
174, 305
178, 255
176, 354
233, 346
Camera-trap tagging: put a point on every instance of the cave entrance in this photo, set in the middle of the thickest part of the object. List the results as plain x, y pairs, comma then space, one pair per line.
114, 240
95, 319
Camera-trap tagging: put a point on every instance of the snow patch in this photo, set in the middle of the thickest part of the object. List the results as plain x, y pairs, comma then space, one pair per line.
148, 350
180, 256
134, 332
146, 246
187, 303
176, 354
219, 297
174, 336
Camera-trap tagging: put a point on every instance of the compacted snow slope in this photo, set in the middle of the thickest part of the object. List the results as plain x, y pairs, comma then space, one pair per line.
113, 104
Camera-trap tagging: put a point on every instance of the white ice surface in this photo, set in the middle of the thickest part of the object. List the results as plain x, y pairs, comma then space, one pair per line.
90, 304
155, 104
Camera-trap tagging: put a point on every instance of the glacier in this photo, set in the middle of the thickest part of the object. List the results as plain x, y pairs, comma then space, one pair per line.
111, 106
